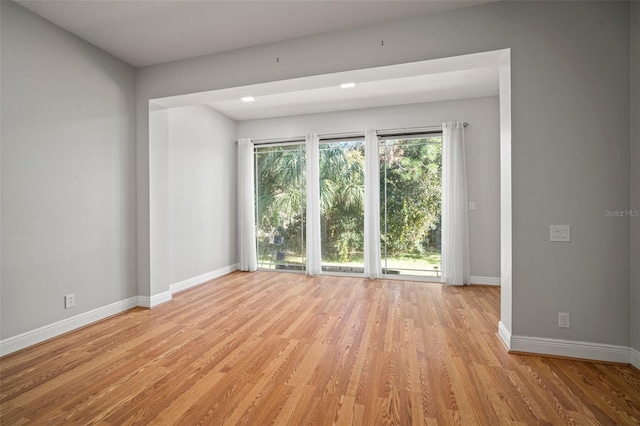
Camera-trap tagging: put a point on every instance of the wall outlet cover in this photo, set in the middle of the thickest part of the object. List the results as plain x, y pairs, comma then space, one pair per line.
69, 301
559, 233
564, 320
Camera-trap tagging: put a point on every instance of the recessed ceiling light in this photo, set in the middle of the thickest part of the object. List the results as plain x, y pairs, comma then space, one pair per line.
247, 99
347, 85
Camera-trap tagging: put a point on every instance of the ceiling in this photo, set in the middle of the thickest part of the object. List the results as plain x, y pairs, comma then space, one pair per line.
147, 32
460, 77
463, 84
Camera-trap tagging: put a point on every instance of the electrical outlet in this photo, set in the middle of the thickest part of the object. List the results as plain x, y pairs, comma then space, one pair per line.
564, 320
69, 301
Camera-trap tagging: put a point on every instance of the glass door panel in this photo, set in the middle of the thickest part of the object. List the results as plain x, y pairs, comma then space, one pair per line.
342, 206
280, 189
410, 205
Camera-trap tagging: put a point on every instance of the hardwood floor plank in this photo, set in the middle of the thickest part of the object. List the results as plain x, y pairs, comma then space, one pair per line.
290, 349
495, 396
347, 411
298, 406
260, 387
177, 408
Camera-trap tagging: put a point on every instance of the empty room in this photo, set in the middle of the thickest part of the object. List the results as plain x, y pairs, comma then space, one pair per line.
320, 212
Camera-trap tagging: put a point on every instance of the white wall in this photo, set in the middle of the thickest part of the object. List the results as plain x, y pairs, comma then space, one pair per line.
635, 177
570, 130
202, 192
68, 174
483, 155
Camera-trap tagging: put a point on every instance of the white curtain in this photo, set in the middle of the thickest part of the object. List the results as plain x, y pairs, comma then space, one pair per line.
372, 265
314, 254
455, 224
246, 206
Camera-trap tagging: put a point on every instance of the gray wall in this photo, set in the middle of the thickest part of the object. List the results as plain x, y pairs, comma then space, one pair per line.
68, 174
483, 155
570, 152
202, 192
159, 202
635, 175
69, 221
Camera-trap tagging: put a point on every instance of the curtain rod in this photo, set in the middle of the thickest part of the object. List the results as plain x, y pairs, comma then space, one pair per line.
351, 135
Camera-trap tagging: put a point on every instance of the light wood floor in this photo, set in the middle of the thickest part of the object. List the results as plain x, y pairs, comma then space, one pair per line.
286, 349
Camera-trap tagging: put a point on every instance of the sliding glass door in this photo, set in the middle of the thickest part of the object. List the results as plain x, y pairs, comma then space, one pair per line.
410, 205
342, 206
280, 207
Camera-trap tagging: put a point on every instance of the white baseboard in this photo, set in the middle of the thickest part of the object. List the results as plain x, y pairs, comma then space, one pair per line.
29, 338
485, 280
504, 334
572, 349
201, 279
635, 358
155, 300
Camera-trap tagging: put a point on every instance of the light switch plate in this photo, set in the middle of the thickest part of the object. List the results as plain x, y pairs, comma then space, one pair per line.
559, 233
